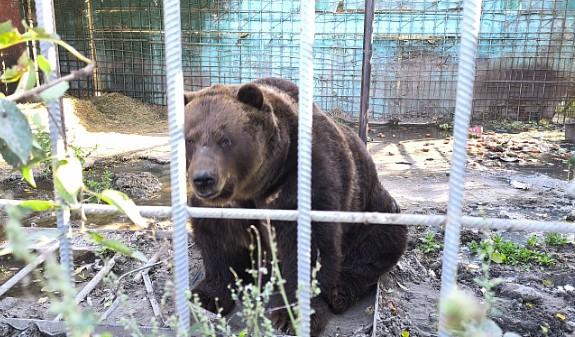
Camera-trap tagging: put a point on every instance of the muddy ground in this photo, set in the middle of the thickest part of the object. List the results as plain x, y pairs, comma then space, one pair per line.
414, 164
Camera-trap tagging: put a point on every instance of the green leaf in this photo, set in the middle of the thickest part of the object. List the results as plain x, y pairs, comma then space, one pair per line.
8, 34
11, 75
24, 60
497, 257
117, 246
38, 205
123, 203
68, 180
55, 92
28, 175
28, 80
8, 155
95, 236
15, 130
6, 27
44, 65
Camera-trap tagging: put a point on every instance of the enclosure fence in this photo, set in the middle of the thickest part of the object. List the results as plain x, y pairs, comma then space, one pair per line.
180, 213
524, 66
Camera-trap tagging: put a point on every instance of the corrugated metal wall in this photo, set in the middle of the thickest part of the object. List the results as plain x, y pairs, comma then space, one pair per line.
525, 66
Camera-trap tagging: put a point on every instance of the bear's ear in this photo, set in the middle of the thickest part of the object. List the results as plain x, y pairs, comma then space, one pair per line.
188, 97
252, 95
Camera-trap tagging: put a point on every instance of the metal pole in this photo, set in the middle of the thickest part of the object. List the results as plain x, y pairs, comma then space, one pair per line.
304, 164
45, 16
366, 68
175, 96
463, 108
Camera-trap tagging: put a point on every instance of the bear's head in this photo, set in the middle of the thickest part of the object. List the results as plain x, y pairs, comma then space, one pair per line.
228, 132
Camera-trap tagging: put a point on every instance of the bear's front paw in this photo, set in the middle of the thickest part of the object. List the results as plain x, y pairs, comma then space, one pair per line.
281, 321
340, 299
214, 299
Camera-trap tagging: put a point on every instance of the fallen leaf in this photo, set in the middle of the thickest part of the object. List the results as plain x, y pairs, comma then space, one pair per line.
402, 286
547, 283
472, 266
392, 307
561, 316
370, 310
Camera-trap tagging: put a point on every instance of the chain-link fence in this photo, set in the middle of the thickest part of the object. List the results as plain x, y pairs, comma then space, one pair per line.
524, 70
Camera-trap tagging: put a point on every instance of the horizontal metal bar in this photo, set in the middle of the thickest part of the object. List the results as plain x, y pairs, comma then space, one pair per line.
332, 216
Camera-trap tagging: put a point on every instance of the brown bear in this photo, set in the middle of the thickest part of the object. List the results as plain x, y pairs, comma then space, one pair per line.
241, 152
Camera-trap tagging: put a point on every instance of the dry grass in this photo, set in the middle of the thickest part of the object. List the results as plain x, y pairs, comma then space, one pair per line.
109, 113
114, 112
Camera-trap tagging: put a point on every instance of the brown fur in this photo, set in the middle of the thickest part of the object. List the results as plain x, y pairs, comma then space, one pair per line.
241, 151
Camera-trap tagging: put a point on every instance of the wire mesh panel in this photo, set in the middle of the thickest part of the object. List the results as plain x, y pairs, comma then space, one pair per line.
524, 69
525, 64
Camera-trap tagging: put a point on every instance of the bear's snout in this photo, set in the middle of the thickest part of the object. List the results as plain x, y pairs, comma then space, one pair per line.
204, 183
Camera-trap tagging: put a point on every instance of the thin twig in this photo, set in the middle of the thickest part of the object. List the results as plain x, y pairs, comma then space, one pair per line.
151, 262
140, 269
74, 75
152, 296
93, 283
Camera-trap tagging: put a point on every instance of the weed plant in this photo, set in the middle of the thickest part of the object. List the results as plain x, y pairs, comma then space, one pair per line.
509, 252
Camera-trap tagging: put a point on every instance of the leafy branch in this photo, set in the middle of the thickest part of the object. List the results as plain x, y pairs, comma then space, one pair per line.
10, 36
74, 75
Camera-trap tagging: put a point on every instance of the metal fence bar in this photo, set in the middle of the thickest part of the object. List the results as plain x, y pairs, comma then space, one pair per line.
307, 34
463, 107
330, 216
45, 17
175, 96
368, 18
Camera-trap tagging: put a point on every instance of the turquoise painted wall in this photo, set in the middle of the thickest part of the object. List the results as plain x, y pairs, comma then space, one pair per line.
414, 60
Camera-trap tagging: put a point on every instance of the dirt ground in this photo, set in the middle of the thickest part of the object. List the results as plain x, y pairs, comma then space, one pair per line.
414, 165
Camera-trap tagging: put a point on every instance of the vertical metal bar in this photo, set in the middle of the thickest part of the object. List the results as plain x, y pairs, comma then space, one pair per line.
93, 52
45, 17
463, 106
366, 68
304, 163
175, 96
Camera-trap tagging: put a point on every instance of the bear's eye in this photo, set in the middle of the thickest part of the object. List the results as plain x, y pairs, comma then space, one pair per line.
189, 142
226, 142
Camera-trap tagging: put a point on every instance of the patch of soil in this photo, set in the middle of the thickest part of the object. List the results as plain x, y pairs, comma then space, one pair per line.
529, 300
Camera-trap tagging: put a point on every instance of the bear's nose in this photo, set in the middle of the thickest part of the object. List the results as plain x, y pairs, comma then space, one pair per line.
203, 182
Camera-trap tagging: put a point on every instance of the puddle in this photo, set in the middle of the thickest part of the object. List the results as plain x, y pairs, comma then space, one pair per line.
19, 190
30, 286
